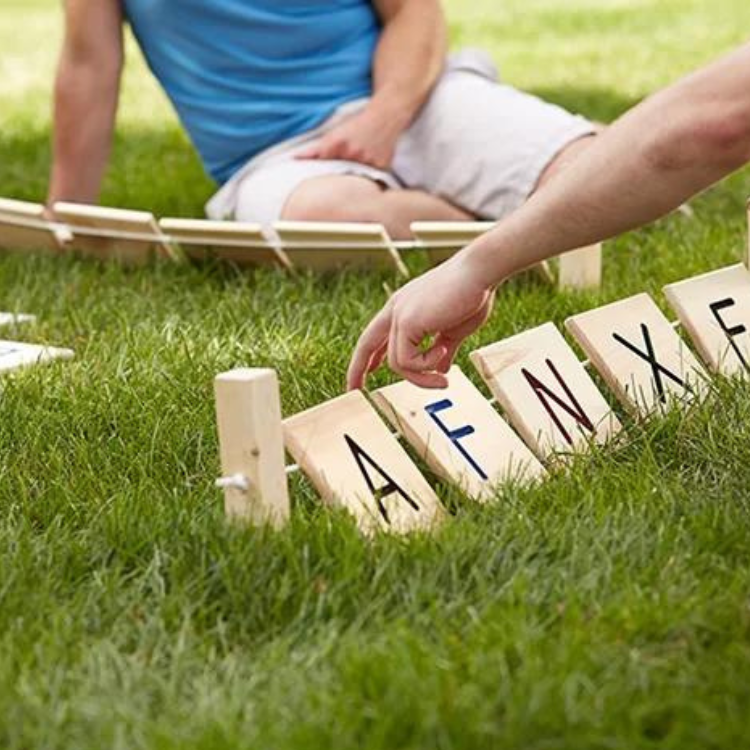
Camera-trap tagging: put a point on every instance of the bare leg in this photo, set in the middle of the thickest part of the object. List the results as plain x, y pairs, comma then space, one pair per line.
358, 199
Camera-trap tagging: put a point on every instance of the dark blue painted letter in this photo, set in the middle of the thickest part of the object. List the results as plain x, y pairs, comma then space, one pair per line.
455, 436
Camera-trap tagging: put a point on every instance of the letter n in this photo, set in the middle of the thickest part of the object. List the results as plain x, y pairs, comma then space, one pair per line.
569, 405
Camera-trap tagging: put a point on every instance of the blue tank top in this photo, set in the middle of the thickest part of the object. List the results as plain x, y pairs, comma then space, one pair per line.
244, 75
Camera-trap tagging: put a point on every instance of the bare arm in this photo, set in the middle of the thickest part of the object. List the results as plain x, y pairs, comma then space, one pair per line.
86, 94
408, 61
665, 150
409, 57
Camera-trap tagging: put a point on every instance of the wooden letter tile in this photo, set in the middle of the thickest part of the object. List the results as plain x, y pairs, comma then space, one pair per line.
238, 242
15, 355
355, 462
714, 309
638, 353
459, 434
546, 392
115, 220
324, 246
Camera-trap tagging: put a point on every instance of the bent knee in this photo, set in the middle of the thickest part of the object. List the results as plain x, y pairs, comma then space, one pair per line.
341, 199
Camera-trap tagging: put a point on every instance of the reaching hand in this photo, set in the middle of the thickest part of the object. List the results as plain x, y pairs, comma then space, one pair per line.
447, 304
367, 138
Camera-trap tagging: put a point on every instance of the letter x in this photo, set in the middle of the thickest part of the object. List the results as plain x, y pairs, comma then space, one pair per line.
649, 356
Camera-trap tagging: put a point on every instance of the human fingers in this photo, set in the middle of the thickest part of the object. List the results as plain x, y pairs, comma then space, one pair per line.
406, 358
377, 358
335, 145
432, 380
452, 340
370, 349
450, 346
325, 147
311, 152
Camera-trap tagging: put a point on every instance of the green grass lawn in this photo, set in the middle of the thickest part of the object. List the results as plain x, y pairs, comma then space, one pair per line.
608, 608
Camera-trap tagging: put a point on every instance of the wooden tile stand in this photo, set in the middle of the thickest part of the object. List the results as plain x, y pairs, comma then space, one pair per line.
23, 226
324, 246
236, 242
129, 237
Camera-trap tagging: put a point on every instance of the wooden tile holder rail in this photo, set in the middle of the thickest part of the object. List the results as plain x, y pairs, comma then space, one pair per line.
555, 410
133, 237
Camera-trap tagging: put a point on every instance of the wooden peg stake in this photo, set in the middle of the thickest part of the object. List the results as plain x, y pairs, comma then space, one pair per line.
248, 411
582, 268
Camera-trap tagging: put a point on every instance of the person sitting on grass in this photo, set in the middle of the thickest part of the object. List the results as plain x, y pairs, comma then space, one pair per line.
314, 110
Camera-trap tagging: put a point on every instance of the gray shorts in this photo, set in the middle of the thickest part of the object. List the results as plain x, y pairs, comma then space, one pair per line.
480, 144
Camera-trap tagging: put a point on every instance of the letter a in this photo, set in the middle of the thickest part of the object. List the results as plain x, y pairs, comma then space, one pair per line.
391, 486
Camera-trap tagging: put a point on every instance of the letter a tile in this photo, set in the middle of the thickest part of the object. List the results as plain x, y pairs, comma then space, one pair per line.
714, 309
459, 434
638, 353
354, 461
546, 392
